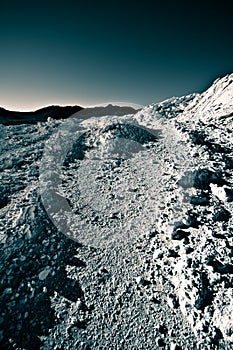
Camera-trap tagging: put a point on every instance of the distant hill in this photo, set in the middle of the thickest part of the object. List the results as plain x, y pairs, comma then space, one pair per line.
58, 112
109, 109
40, 115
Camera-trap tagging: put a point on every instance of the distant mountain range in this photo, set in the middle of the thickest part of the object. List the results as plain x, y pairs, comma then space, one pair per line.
58, 112
40, 115
99, 111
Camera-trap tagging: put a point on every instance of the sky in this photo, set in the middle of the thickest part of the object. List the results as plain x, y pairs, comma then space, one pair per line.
86, 52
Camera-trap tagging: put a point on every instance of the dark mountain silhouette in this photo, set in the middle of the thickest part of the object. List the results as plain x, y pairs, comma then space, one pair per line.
58, 112
109, 109
40, 115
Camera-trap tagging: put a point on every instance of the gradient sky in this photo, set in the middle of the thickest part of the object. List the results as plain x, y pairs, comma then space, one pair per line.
87, 52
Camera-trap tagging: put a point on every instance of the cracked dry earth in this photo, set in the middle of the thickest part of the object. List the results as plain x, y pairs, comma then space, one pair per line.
152, 267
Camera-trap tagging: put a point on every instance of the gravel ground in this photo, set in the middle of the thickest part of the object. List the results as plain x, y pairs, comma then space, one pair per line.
124, 240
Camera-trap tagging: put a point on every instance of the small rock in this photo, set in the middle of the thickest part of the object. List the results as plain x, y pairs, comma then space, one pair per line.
159, 342
151, 234
199, 200
79, 304
157, 254
140, 280
222, 215
162, 329
174, 346
154, 300
229, 194
219, 192
102, 271
172, 253
43, 274
191, 220
172, 301
179, 234
8, 291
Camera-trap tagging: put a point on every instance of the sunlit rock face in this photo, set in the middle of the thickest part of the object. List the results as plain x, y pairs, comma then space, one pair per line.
116, 227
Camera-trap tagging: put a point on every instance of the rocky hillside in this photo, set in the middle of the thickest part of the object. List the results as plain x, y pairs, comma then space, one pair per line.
116, 232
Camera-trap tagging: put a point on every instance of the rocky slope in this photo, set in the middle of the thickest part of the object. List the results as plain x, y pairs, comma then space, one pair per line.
147, 201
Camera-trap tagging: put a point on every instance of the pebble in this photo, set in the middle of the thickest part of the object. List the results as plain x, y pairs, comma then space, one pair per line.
159, 342
79, 304
157, 254
179, 234
44, 274
172, 301
174, 346
8, 290
162, 329
139, 280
